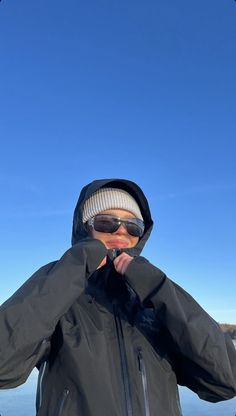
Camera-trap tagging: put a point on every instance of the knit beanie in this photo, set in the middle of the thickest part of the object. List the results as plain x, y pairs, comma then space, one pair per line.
108, 198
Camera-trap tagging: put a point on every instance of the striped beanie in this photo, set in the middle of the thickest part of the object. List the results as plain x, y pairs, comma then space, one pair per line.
108, 198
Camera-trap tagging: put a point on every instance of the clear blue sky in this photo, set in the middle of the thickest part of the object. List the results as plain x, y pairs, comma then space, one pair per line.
143, 90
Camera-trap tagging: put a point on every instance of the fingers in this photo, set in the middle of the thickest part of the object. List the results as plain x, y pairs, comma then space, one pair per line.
122, 262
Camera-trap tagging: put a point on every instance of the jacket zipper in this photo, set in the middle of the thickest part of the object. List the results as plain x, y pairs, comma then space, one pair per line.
142, 369
63, 400
40, 382
123, 360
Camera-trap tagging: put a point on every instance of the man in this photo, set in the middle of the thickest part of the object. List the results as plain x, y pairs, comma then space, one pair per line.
110, 333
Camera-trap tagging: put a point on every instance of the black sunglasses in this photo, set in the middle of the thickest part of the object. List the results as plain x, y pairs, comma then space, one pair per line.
105, 223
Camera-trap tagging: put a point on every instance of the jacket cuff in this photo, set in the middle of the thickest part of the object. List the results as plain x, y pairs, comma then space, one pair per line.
91, 251
144, 278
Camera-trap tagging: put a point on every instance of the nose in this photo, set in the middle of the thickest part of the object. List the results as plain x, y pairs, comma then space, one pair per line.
121, 230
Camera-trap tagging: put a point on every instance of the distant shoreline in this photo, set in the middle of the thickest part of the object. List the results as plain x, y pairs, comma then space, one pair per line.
229, 329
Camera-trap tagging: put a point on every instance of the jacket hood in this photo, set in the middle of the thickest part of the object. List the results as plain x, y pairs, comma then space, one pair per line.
79, 231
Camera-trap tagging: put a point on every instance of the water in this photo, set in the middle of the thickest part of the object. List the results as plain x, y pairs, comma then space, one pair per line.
193, 406
21, 402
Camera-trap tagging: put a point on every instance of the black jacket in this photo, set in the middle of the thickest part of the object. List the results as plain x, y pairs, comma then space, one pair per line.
107, 345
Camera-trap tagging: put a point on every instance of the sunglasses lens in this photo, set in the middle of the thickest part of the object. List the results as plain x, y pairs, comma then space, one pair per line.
134, 229
110, 224
105, 224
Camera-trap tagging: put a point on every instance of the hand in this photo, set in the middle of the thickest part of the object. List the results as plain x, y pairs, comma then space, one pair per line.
121, 263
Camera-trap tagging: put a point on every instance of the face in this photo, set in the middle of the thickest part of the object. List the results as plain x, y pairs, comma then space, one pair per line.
120, 238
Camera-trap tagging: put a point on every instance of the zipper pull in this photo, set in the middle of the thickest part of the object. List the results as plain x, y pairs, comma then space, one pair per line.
90, 300
66, 392
140, 359
112, 253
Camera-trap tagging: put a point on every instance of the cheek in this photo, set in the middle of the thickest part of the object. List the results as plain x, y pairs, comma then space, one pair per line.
99, 236
134, 241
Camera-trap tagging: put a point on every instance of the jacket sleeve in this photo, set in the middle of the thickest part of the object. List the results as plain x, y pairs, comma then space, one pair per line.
29, 317
204, 357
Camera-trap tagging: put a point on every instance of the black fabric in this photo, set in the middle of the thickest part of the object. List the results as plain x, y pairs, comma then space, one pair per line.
81, 326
